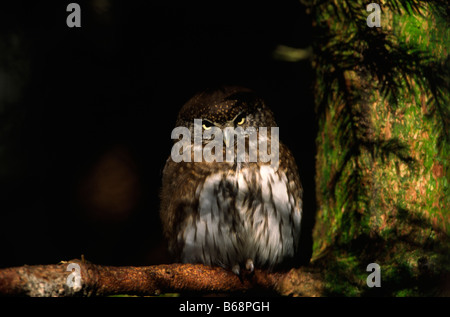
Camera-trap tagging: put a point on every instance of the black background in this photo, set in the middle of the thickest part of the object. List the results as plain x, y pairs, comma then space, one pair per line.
110, 91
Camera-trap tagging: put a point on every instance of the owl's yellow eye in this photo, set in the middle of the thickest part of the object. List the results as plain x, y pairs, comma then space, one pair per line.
207, 124
240, 119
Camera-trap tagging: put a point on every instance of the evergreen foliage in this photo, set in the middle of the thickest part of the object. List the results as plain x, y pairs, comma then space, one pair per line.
383, 105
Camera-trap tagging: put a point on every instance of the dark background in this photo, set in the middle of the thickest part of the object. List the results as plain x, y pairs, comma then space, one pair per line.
86, 115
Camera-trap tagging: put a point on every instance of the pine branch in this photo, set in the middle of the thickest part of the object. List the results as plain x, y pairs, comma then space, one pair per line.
98, 280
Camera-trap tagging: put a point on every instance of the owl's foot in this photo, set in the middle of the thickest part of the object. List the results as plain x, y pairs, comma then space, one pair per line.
249, 265
236, 269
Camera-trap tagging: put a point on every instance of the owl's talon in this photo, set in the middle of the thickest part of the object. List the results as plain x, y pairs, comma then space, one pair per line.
236, 269
249, 265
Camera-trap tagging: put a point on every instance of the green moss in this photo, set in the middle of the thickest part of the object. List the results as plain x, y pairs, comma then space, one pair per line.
382, 186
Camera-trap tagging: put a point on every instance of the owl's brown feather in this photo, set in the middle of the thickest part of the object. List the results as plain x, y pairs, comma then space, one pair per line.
218, 214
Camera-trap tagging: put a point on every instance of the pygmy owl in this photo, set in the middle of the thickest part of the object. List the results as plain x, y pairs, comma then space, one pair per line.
232, 213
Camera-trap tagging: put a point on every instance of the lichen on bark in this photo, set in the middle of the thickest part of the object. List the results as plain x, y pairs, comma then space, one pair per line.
382, 159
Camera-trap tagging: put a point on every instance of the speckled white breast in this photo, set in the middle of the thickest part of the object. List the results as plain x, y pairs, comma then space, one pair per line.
248, 214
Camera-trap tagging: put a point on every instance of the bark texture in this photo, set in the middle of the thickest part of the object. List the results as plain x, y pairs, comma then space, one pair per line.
97, 280
382, 161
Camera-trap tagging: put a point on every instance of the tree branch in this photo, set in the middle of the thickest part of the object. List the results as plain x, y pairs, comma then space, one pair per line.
98, 280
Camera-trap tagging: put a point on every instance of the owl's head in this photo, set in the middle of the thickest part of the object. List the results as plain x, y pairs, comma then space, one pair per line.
227, 106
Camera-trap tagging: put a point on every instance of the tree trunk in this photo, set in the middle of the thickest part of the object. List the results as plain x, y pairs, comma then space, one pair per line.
382, 161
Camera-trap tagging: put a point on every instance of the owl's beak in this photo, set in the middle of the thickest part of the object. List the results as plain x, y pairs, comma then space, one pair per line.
228, 136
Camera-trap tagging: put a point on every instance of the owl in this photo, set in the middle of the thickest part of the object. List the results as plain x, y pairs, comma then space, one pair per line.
237, 214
